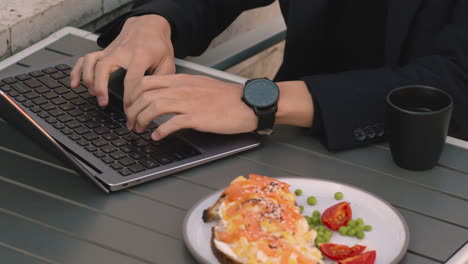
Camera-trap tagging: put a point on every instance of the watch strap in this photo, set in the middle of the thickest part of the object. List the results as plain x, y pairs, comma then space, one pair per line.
266, 120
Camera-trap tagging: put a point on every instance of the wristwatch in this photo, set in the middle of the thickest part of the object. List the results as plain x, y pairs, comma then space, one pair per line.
262, 96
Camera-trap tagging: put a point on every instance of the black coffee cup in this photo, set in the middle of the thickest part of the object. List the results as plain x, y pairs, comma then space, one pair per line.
417, 121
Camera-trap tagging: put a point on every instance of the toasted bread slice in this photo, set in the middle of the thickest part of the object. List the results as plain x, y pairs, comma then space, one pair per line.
259, 222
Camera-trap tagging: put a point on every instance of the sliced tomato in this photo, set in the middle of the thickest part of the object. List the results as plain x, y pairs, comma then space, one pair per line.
365, 258
338, 215
337, 251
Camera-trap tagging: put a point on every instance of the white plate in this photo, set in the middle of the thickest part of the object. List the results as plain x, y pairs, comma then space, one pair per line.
389, 236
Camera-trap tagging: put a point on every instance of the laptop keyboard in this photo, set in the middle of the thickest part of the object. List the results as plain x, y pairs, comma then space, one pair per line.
101, 131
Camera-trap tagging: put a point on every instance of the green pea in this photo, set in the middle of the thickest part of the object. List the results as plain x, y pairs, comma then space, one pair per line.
308, 219
360, 234
338, 195
352, 223
359, 220
315, 220
312, 200
343, 230
298, 192
321, 228
328, 233
316, 213
351, 232
319, 240
367, 227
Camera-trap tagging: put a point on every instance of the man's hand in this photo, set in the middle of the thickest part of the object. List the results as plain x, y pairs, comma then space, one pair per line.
198, 102
143, 45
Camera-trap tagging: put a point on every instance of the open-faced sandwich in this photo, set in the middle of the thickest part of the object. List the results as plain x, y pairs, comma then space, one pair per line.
260, 222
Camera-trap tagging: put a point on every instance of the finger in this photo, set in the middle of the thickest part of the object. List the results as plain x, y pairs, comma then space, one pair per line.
135, 71
89, 65
141, 103
167, 67
104, 68
156, 109
75, 74
146, 84
174, 124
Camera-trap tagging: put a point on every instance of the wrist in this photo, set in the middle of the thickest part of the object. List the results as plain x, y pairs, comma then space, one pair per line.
295, 105
156, 22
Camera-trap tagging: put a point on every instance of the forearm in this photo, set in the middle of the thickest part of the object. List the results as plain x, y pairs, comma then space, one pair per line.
295, 106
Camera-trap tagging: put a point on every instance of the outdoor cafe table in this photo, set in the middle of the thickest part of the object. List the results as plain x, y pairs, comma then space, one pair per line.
49, 214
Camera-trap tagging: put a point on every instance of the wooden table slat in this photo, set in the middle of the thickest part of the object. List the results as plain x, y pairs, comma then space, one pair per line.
11, 256
54, 245
93, 226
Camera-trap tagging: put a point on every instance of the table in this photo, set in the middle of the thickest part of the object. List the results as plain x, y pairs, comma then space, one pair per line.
49, 214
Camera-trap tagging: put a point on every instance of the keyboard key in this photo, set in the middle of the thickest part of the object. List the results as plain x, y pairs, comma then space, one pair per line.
148, 149
31, 95
49, 70
48, 107
65, 82
87, 107
41, 89
36, 74
91, 148
67, 72
43, 114
20, 99
13, 93
50, 95
125, 172
147, 136
80, 89
118, 155
149, 163
161, 158
136, 168
51, 120
20, 88
49, 82
35, 109
119, 142
101, 130
70, 96
107, 160
9, 80
56, 112
62, 90
137, 155
62, 67
73, 124
127, 161
78, 101
86, 96
28, 104
99, 142
59, 126
99, 154
122, 131
91, 136
58, 101
83, 142
32, 83
127, 148
5, 88
131, 137
67, 107
110, 136
175, 156
103, 119
92, 124
23, 77
40, 101
116, 166
83, 118
81, 130
74, 137
75, 112
66, 131
58, 75
108, 149
140, 143
64, 118
113, 125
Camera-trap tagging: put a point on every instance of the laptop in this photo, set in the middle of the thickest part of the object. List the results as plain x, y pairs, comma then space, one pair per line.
95, 140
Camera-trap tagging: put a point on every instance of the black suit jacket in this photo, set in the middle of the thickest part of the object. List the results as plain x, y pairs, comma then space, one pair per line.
425, 42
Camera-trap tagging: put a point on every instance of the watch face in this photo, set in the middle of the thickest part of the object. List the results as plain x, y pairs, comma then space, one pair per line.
261, 93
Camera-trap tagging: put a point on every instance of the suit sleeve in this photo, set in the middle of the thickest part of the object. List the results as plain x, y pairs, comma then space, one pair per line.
194, 23
352, 104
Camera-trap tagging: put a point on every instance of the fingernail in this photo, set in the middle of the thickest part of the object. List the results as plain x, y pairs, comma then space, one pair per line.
102, 100
155, 136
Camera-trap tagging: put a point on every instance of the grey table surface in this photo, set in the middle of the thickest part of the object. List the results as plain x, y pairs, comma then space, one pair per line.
49, 214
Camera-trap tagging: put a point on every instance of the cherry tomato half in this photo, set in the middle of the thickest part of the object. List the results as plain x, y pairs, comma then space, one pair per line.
365, 258
337, 251
338, 215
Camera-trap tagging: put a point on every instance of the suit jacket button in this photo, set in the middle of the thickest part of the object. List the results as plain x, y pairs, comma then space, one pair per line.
370, 132
359, 134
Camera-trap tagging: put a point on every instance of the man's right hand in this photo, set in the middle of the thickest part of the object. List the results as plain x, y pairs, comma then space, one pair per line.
144, 45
